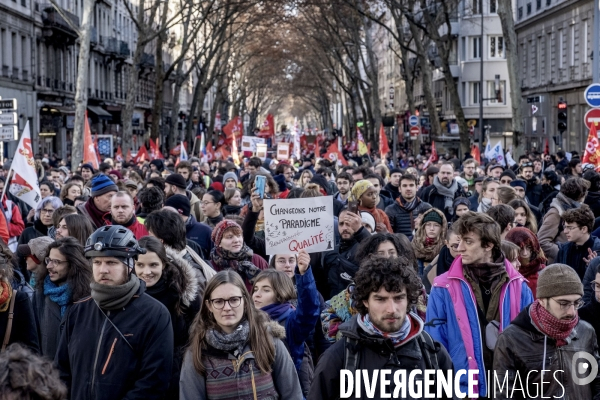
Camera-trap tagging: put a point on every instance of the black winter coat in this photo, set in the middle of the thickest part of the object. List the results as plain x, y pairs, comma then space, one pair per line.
590, 313
533, 192
374, 353
385, 201
48, 320
431, 196
402, 220
23, 329
393, 190
340, 263
592, 199
96, 363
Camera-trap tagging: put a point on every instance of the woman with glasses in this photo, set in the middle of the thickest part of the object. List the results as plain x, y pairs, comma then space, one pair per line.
64, 279
531, 255
212, 205
172, 281
43, 219
295, 305
235, 352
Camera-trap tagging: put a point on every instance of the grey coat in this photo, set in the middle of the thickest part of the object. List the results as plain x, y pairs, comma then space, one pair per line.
48, 321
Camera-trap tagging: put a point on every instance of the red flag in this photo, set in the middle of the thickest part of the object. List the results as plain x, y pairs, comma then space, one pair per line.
233, 129
142, 155
210, 154
334, 154
222, 153
234, 152
433, 157
119, 155
268, 127
155, 153
384, 147
546, 148
476, 153
89, 149
592, 148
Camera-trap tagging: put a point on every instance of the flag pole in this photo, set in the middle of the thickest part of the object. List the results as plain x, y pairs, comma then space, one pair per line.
7, 183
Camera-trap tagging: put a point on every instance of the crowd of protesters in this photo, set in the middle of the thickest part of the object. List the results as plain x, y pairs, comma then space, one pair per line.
151, 280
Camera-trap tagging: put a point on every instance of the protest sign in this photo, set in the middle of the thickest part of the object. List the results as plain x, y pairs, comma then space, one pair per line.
283, 151
292, 225
249, 143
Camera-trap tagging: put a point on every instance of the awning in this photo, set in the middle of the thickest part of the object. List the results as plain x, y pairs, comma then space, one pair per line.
66, 110
100, 112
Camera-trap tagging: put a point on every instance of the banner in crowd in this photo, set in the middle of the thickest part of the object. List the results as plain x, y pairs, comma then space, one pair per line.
476, 153
155, 153
119, 155
495, 153
233, 129
142, 155
89, 149
268, 127
249, 143
592, 148
334, 154
24, 183
384, 147
292, 225
362, 147
217, 122
283, 151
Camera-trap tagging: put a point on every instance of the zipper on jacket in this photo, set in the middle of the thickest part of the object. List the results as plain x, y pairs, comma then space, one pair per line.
112, 350
96, 359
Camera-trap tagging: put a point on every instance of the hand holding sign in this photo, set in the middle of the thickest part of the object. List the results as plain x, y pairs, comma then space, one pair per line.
303, 261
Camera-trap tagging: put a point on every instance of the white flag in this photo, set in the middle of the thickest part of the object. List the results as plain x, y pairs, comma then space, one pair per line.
24, 183
498, 154
297, 151
488, 150
509, 159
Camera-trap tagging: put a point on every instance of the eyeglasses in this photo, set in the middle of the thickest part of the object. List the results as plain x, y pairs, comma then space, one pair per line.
595, 286
505, 181
50, 261
43, 210
565, 305
219, 304
205, 203
569, 228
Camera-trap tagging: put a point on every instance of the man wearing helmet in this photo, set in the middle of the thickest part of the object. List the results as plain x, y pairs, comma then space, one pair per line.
117, 343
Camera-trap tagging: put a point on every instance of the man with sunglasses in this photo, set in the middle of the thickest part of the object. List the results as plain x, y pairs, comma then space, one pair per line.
540, 350
117, 343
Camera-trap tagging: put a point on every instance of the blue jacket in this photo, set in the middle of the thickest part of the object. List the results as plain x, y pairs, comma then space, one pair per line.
452, 317
300, 322
199, 233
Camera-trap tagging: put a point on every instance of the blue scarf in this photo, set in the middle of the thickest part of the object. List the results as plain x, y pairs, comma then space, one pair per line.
278, 311
61, 295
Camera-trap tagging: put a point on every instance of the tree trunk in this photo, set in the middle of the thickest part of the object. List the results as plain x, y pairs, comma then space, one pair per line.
465, 139
132, 89
373, 73
505, 13
81, 94
157, 109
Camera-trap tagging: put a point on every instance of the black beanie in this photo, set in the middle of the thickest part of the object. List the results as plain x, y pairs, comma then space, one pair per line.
180, 203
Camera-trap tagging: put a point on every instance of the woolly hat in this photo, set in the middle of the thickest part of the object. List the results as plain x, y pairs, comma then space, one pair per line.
368, 219
65, 170
432, 216
116, 173
558, 280
102, 184
396, 171
219, 230
159, 164
520, 183
88, 166
36, 248
360, 188
176, 180
461, 181
509, 173
280, 179
180, 203
218, 186
230, 175
460, 200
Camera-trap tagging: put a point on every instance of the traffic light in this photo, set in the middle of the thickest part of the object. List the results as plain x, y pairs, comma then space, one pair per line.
562, 116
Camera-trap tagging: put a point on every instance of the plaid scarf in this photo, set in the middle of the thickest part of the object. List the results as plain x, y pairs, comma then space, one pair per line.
396, 337
549, 325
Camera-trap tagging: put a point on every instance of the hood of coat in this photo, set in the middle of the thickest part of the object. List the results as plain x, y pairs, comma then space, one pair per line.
275, 329
188, 287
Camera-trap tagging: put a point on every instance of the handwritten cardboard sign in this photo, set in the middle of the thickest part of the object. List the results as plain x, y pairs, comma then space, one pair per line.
292, 225
249, 143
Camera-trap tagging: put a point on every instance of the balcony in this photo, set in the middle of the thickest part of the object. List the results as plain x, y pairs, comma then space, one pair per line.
115, 48
56, 28
94, 37
147, 60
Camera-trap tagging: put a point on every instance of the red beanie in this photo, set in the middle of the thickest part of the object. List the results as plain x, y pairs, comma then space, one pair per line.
219, 230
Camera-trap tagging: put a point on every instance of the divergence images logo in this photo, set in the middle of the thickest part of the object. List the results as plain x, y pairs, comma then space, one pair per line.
580, 367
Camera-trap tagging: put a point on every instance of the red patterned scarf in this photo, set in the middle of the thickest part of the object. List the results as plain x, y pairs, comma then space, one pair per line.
5, 295
549, 325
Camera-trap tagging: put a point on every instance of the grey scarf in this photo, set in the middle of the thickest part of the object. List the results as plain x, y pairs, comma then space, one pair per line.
115, 297
235, 341
485, 205
447, 192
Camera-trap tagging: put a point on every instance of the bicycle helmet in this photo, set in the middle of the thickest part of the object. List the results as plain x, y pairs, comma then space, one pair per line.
113, 241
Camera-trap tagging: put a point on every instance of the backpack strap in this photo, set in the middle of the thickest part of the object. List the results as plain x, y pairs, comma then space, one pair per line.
429, 350
351, 354
11, 314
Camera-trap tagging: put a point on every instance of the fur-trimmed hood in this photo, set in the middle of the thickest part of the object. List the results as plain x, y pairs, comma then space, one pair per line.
275, 329
185, 276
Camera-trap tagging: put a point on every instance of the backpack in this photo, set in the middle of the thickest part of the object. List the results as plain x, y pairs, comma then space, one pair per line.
19, 283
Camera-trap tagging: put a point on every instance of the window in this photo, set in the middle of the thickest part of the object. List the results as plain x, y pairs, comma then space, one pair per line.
476, 6
538, 4
497, 47
500, 97
572, 45
474, 93
520, 13
464, 93
463, 49
476, 48
528, 8
494, 6
548, 2
585, 41
561, 49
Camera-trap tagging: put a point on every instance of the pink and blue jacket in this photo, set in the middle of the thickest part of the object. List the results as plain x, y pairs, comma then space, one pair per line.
452, 318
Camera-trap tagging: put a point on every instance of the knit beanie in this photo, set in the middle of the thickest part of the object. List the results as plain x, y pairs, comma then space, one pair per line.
181, 203
219, 230
508, 173
102, 184
88, 166
518, 182
460, 200
230, 175
160, 166
36, 248
432, 216
280, 179
558, 280
360, 188
176, 180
